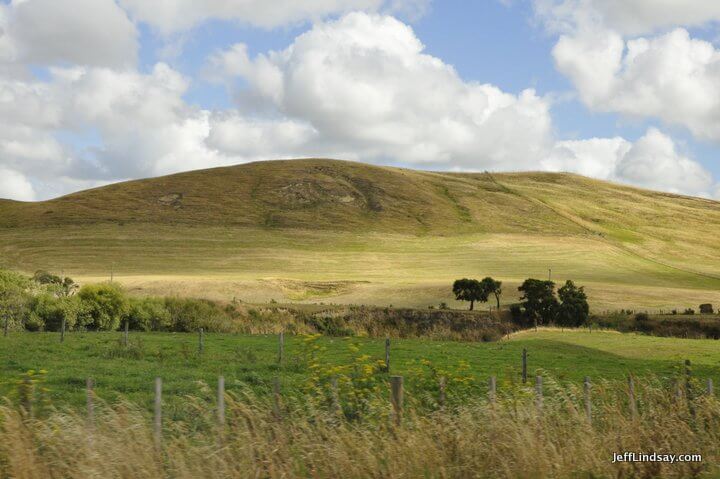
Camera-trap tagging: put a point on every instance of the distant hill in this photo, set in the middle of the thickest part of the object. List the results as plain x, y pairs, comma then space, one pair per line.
281, 205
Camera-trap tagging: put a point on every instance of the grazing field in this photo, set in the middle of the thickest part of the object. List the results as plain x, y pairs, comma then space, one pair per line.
252, 361
348, 233
305, 433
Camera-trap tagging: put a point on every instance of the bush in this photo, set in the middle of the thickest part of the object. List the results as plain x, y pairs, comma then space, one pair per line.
104, 304
148, 314
187, 315
689, 311
48, 312
14, 297
330, 326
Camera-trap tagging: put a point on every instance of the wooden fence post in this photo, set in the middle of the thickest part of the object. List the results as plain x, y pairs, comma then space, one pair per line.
126, 336
710, 390
158, 411
539, 392
492, 389
588, 403
201, 341
281, 347
6, 326
441, 399
276, 398
28, 396
221, 401
335, 397
396, 397
387, 355
631, 397
62, 331
89, 398
524, 366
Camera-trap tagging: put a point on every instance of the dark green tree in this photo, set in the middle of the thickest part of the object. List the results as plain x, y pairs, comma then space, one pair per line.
469, 290
538, 300
494, 287
64, 287
573, 310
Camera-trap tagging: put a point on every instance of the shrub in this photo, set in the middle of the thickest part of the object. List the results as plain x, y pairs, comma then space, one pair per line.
330, 326
187, 315
148, 314
105, 304
14, 297
48, 312
689, 311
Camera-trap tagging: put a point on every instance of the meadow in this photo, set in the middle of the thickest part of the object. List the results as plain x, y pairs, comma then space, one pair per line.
250, 362
571, 432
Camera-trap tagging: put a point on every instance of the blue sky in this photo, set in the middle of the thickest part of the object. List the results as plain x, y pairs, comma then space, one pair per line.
122, 89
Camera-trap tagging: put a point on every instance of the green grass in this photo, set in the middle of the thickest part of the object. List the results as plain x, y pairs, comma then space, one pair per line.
252, 360
274, 230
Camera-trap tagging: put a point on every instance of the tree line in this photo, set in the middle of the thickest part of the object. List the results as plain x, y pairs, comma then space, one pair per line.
539, 302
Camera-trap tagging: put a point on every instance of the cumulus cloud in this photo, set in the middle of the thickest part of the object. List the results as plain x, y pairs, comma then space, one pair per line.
176, 15
672, 77
14, 185
360, 87
364, 84
628, 17
669, 76
88, 32
653, 161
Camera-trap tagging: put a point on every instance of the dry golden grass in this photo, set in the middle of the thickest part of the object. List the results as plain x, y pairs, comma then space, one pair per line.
289, 230
510, 439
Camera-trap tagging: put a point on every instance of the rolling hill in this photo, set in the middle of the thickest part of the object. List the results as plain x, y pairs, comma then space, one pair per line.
327, 230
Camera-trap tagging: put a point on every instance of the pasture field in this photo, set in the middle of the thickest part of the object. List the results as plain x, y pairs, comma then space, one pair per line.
251, 361
256, 265
349, 233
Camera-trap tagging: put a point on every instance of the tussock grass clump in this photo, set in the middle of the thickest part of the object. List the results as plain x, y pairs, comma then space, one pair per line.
509, 438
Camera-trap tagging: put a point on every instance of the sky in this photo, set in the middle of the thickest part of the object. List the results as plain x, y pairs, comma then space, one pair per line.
99, 91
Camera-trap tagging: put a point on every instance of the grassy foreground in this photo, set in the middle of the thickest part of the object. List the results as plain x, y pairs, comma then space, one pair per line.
516, 436
250, 362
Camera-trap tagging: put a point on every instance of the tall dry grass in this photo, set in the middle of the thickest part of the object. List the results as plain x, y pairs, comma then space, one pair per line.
511, 438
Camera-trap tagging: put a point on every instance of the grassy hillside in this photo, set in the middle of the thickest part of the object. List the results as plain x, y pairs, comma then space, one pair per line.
324, 230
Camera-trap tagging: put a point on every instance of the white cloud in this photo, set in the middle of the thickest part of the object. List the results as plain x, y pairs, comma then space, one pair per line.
364, 84
87, 32
672, 77
652, 162
14, 185
665, 74
628, 17
176, 15
361, 87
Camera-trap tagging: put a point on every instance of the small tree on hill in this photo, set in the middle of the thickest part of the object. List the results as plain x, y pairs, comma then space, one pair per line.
469, 290
539, 300
573, 310
494, 287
